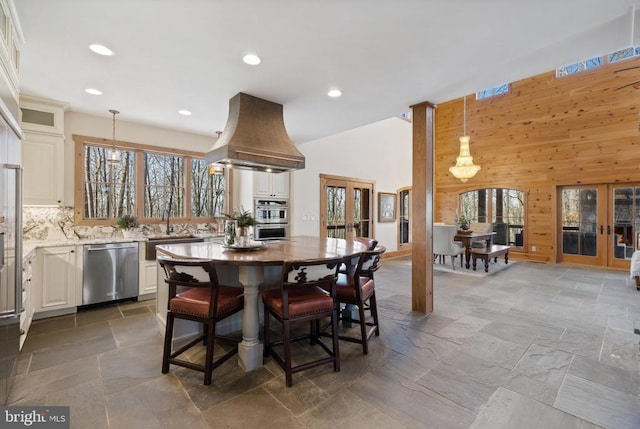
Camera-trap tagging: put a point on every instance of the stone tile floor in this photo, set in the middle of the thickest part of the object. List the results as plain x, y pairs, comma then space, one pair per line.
532, 346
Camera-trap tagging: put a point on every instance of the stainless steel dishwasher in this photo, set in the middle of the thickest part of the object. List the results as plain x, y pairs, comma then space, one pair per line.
110, 272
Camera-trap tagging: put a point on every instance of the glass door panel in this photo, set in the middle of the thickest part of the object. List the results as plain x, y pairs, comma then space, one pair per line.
361, 212
404, 216
336, 209
581, 220
347, 208
625, 222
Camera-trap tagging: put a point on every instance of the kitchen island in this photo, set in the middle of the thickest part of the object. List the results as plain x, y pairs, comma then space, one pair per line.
253, 270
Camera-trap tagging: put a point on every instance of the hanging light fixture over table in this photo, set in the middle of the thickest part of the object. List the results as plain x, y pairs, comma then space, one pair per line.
464, 168
113, 156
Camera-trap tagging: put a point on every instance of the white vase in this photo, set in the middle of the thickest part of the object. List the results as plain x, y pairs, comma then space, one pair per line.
243, 236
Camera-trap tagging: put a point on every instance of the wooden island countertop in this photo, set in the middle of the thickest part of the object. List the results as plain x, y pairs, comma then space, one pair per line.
274, 252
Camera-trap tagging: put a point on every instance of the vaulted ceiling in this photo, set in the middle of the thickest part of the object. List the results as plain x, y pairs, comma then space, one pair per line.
383, 55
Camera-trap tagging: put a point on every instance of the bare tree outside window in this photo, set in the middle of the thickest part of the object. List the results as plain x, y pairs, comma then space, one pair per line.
207, 191
109, 190
336, 212
164, 185
506, 211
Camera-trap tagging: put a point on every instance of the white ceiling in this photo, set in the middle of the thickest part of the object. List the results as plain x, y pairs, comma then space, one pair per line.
384, 55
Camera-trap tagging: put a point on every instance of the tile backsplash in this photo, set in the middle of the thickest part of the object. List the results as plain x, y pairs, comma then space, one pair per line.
56, 223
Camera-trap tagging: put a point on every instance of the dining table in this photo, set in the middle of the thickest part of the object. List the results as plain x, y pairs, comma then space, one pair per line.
469, 237
254, 268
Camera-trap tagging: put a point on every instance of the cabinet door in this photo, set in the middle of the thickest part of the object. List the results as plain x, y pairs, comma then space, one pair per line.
280, 185
271, 185
262, 184
43, 172
57, 278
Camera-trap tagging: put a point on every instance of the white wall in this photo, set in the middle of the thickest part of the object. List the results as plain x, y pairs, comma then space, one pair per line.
380, 151
102, 127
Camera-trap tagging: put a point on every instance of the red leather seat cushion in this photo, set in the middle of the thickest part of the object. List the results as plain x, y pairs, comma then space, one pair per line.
195, 301
345, 288
302, 301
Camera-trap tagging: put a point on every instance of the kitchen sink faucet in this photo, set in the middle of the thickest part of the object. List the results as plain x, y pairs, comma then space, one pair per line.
168, 213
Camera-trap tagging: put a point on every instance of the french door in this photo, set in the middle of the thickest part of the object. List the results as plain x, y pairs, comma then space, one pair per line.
346, 207
599, 224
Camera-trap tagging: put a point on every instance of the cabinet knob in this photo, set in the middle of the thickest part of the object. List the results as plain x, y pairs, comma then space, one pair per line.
73, 251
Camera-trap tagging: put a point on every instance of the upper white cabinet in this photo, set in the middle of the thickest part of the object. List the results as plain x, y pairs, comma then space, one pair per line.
11, 41
271, 185
42, 150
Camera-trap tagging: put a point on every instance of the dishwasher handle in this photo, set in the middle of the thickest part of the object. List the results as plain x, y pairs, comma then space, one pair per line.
94, 249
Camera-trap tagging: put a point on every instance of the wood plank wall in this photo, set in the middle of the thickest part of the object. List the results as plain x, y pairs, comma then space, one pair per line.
547, 132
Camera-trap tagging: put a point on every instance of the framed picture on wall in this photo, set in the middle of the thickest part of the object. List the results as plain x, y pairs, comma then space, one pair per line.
386, 207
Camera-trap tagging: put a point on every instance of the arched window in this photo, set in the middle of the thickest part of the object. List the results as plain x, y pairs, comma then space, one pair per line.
503, 208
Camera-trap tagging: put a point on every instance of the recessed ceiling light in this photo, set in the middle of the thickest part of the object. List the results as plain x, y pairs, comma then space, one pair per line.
93, 91
334, 93
100, 49
184, 112
251, 59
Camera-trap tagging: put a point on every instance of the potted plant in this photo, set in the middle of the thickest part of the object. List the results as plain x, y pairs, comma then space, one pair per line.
463, 223
128, 224
244, 220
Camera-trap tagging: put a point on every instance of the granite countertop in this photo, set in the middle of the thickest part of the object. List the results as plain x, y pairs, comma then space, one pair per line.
29, 246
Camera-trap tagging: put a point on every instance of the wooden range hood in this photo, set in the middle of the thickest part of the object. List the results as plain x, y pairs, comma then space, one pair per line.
255, 138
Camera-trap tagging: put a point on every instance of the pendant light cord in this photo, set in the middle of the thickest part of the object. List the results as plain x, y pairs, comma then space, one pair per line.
464, 116
113, 140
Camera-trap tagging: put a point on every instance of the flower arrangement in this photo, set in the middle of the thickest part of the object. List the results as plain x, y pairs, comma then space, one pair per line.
127, 221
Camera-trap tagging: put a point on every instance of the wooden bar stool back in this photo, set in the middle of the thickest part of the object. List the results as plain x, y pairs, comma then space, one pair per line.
306, 294
195, 294
358, 288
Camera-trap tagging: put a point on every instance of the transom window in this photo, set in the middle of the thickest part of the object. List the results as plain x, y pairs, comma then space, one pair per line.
492, 92
149, 182
579, 66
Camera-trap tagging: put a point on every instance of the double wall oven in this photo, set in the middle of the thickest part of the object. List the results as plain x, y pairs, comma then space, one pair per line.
273, 219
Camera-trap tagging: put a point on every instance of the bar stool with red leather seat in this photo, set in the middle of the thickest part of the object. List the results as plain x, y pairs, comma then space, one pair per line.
358, 288
306, 294
195, 294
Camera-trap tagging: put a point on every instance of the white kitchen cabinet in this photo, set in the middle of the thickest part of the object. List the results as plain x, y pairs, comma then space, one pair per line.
270, 185
42, 150
146, 275
42, 158
58, 274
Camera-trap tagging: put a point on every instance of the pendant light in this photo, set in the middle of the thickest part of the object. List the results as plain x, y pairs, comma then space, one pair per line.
464, 168
216, 169
113, 157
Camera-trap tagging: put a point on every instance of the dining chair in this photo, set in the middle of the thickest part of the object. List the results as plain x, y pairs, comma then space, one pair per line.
443, 243
195, 294
306, 294
358, 289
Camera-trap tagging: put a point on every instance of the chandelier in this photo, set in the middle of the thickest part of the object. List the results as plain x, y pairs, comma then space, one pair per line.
113, 157
464, 168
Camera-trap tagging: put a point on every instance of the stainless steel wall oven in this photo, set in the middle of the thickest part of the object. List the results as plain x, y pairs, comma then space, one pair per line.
273, 219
